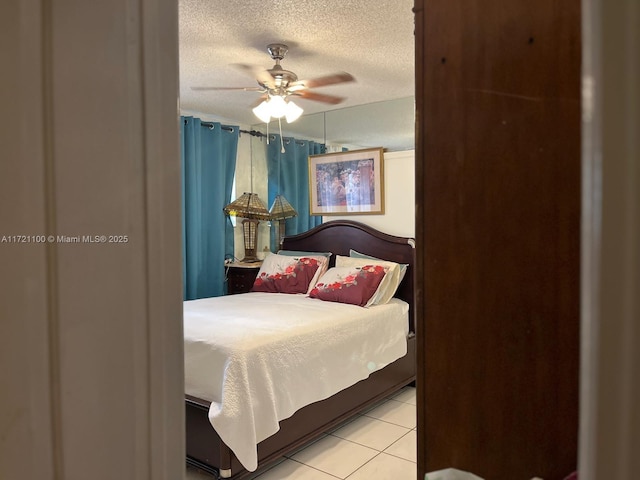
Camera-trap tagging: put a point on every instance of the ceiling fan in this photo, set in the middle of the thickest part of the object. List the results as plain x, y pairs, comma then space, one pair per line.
277, 84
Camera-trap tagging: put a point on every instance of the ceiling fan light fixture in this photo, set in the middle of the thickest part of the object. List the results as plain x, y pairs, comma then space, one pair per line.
292, 112
263, 112
277, 107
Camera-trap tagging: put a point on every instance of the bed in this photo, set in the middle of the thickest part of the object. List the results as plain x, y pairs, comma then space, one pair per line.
204, 446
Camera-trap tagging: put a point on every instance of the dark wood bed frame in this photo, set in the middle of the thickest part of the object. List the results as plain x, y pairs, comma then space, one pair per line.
207, 452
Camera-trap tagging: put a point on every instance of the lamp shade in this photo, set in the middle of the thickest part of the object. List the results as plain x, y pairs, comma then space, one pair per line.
248, 205
281, 209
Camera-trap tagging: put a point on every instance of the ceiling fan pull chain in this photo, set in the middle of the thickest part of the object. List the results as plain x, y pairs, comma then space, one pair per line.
282, 150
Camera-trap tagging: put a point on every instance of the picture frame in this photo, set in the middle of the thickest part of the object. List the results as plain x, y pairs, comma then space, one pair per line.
337, 182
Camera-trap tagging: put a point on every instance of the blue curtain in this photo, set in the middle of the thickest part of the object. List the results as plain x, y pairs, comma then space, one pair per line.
288, 174
208, 167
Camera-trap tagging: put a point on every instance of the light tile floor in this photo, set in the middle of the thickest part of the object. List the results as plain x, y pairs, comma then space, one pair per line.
380, 444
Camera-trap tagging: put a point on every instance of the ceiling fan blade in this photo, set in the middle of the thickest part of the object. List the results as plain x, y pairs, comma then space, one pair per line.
246, 89
339, 77
258, 101
258, 72
319, 97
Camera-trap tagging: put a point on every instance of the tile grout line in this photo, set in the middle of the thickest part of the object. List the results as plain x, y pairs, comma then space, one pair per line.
397, 456
367, 446
372, 448
361, 466
317, 469
390, 423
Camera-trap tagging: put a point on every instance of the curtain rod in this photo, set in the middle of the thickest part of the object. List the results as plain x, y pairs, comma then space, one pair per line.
211, 125
253, 133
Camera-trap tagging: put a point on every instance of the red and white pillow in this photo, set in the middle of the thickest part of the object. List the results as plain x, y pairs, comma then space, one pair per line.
356, 285
289, 274
358, 281
389, 284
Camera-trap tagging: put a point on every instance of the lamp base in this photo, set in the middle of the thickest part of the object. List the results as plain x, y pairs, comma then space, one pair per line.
250, 233
250, 260
280, 224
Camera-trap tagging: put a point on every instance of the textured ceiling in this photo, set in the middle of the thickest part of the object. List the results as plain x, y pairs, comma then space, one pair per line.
371, 39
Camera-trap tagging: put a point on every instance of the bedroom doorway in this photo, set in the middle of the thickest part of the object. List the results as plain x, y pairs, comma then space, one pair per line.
60, 331
399, 176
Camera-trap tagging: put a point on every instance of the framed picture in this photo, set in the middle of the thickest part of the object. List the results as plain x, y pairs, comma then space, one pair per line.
346, 183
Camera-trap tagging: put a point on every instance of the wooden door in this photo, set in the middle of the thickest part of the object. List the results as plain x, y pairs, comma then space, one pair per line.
498, 227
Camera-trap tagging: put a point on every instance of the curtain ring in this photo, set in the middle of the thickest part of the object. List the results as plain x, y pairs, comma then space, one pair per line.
211, 126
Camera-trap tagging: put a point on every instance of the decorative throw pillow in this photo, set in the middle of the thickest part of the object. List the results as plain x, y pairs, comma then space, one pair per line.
322, 257
285, 274
354, 285
402, 267
387, 287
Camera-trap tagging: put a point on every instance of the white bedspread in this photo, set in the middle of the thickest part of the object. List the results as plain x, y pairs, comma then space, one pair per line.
259, 357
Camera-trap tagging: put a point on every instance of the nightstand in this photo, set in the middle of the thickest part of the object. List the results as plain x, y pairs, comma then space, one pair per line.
240, 276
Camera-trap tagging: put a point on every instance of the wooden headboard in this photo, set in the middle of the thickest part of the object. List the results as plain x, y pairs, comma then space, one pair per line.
339, 236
